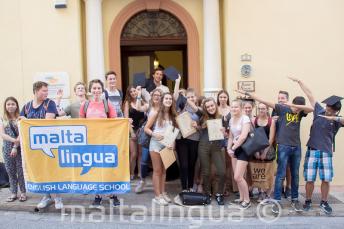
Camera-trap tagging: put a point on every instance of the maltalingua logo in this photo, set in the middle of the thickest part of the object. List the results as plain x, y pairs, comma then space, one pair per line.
73, 150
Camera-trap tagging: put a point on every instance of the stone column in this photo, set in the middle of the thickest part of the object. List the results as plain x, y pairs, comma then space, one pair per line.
212, 78
94, 40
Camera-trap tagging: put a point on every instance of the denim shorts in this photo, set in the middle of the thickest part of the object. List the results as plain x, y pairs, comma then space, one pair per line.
155, 145
317, 160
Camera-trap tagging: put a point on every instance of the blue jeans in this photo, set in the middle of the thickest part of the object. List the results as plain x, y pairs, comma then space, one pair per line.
291, 154
144, 162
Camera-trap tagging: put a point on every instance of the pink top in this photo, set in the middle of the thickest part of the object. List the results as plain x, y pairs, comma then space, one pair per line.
97, 110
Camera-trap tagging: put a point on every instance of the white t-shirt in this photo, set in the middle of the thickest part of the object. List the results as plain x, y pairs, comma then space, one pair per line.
237, 127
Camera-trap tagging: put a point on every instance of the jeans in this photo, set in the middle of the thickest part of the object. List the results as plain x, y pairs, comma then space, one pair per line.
210, 152
291, 154
144, 162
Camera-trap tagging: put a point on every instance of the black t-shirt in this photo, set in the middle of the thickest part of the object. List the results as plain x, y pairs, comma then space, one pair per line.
288, 125
323, 131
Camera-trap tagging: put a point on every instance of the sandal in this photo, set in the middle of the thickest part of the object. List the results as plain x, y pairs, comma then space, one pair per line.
11, 198
22, 198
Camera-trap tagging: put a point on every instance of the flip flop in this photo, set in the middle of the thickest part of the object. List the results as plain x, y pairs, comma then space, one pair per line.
11, 199
22, 198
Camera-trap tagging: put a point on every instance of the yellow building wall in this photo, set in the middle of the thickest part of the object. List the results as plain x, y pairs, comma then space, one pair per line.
288, 38
112, 8
36, 37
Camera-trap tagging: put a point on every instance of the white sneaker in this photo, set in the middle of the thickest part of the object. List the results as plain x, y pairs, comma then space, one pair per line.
140, 185
46, 200
58, 203
160, 201
166, 197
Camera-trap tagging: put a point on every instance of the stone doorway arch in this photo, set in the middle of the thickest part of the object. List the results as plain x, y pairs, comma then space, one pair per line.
154, 5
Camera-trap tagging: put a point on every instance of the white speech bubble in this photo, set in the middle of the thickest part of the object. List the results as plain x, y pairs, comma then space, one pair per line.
51, 137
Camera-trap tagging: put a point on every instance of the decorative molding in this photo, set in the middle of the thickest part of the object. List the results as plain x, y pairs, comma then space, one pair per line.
171, 7
155, 25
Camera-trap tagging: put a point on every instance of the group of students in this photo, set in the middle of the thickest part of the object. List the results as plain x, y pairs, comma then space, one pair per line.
205, 166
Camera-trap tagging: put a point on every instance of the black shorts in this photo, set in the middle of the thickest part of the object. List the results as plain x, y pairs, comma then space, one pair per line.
241, 155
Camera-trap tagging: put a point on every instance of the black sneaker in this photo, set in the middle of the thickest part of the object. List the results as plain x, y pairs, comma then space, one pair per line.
276, 207
97, 202
307, 205
325, 207
244, 205
296, 205
287, 193
115, 201
220, 199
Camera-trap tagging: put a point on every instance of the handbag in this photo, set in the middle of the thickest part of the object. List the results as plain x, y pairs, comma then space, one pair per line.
143, 139
271, 154
256, 141
194, 198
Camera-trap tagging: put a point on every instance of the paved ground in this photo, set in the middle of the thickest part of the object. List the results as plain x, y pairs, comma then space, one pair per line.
138, 205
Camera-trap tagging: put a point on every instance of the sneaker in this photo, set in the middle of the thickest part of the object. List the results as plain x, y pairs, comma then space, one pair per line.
220, 199
115, 201
296, 205
166, 197
208, 199
97, 202
276, 208
140, 185
307, 205
46, 200
287, 193
261, 197
58, 203
245, 205
160, 201
237, 201
325, 207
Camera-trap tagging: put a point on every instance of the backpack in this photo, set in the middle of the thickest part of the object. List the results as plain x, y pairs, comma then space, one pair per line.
106, 93
45, 106
106, 107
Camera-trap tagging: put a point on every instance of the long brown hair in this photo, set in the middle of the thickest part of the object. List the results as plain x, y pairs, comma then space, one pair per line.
128, 97
171, 112
6, 113
206, 115
155, 90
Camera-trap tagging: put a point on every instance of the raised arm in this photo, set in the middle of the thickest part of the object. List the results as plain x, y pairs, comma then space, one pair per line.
140, 104
306, 90
305, 108
176, 88
257, 98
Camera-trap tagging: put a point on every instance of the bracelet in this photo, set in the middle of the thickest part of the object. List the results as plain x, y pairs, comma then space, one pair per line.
139, 98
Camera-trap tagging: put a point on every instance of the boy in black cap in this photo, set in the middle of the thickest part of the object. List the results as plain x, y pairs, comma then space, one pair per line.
326, 124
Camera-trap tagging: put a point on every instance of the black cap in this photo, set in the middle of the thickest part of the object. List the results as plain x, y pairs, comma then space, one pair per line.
334, 102
139, 79
171, 73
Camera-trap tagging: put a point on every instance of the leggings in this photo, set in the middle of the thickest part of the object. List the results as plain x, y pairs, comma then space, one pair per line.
187, 151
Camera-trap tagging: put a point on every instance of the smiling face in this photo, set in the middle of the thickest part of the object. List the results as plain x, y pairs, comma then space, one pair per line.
156, 96
133, 93
157, 76
80, 90
262, 110
11, 106
96, 90
282, 98
191, 96
210, 107
235, 108
248, 107
167, 100
42, 93
223, 99
111, 80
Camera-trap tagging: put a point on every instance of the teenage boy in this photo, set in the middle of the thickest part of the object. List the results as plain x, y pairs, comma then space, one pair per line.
326, 124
